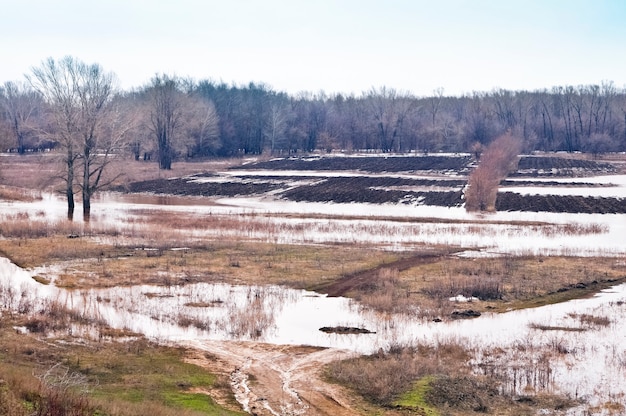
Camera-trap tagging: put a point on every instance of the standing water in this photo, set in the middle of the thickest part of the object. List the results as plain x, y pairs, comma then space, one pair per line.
589, 363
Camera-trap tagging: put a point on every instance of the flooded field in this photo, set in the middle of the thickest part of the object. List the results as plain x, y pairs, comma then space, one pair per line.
579, 358
555, 348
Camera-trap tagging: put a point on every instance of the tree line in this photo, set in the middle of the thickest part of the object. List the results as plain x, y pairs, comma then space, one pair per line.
176, 118
76, 108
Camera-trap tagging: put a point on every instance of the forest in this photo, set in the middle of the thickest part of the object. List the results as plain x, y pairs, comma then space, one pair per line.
173, 118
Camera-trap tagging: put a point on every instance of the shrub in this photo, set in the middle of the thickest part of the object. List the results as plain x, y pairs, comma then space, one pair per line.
461, 392
496, 162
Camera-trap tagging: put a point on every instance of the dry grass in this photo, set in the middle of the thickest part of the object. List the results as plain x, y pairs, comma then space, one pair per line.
500, 284
41, 171
56, 377
514, 282
106, 258
439, 380
13, 193
382, 377
591, 321
541, 327
386, 293
23, 226
87, 262
36, 172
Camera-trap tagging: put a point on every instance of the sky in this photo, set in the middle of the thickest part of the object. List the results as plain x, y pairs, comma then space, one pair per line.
335, 46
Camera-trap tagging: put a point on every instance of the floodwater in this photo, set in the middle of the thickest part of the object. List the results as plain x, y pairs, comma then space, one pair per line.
391, 226
588, 363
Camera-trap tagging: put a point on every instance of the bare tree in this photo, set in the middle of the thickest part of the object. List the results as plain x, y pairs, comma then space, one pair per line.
19, 102
180, 120
85, 124
200, 127
389, 110
277, 123
434, 104
165, 101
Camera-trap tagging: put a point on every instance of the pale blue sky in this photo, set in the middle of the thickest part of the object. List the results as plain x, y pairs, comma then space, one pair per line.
344, 46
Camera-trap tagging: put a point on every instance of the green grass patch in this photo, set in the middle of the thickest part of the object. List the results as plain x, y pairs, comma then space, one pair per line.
197, 402
132, 378
416, 397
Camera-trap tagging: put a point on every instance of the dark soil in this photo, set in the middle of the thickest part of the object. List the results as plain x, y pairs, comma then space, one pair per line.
393, 190
554, 184
509, 201
368, 164
371, 190
186, 186
557, 166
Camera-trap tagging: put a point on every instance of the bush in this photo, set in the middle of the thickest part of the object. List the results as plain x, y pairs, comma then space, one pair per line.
496, 162
461, 392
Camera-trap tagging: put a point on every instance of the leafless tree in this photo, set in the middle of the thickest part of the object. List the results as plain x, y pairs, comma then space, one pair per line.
86, 124
389, 111
179, 120
165, 101
200, 126
277, 124
18, 102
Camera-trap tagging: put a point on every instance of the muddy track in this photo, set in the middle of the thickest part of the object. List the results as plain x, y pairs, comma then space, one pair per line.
363, 278
277, 379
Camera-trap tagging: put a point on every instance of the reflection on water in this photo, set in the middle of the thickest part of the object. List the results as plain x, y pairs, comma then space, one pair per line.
270, 220
151, 199
586, 363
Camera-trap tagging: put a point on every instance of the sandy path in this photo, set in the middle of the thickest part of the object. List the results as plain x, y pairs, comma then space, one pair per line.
277, 379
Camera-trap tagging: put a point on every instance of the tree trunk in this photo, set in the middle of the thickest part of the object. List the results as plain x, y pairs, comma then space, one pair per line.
69, 190
86, 206
86, 185
70, 204
165, 160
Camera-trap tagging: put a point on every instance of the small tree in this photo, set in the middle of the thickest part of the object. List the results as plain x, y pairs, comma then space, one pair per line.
496, 161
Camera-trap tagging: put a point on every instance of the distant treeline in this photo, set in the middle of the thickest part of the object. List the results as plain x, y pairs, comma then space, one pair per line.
218, 119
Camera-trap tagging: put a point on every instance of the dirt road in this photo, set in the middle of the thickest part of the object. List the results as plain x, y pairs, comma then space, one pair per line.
362, 278
277, 379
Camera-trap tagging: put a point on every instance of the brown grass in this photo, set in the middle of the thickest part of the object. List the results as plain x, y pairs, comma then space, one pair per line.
542, 327
501, 284
103, 260
13, 193
382, 377
42, 171
87, 262
453, 387
592, 321
57, 377
516, 282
